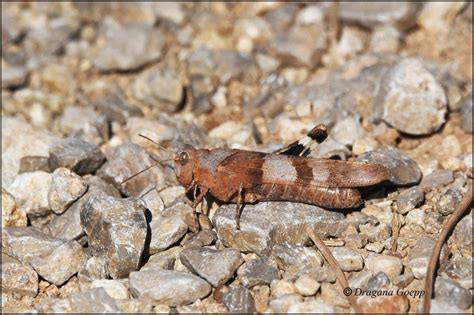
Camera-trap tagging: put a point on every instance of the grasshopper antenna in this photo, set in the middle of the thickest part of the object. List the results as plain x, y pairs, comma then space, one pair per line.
157, 144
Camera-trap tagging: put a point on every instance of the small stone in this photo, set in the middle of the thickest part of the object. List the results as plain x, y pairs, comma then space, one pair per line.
411, 99
257, 272
116, 230
312, 307
361, 279
375, 247
462, 236
114, 288
403, 170
347, 131
437, 179
94, 268
449, 201
66, 187
171, 194
215, 266
282, 287
267, 223
127, 160
306, 285
33, 164
134, 306
18, 278
166, 232
128, 46
378, 233
355, 240
282, 304
294, 259
385, 39
409, 199
182, 210
92, 301
391, 265
31, 192
420, 255
239, 299
439, 306
466, 114
363, 145
402, 281
116, 108
438, 16
452, 293
168, 287
415, 217
203, 238
320, 274
11, 214
163, 260
84, 123
13, 76
348, 259
77, 155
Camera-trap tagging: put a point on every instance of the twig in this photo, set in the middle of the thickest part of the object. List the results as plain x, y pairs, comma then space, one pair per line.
334, 266
447, 229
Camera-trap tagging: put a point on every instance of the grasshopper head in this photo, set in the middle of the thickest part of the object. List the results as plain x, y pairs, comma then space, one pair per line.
185, 162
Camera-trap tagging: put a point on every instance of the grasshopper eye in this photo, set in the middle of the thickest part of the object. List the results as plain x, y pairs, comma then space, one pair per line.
183, 157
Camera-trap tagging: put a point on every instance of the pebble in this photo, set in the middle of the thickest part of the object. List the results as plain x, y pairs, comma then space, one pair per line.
403, 170
437, 179
127, 160
267, 223
79, 156
33, 164
448, 201
166, 232
239, 299
409, 199
12, 215
128, 46
411, 100
281, 304
306, 285
217, 267
347, 131
94, 268
348, 259
312, 307
385, 39
161, 89
439, 306
320, 274
68, 225
84, 123
91, 301
114, 288
134, 306
282, 287
371, 15
116, 108
18, 278
168, 287
377, 233
116, 230
466, 114
294, 259
360, 279
392, 266
462, 236
202, 238
66, 187
13, 76
259, 271
31, 192
164, 260
420, 255
169, 195
452, 293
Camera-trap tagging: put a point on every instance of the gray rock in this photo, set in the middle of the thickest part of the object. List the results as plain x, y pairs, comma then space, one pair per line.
68, 225
217, 267
462, 236
13, 76
452, 293
202, 238
92, 301
466, 114
94, 268
411, 100
116, 108
294, 259
84, 123
409, 199
392, 266
306, 285
420, 255
168, 287
161, 89
347, 131
128, 46
33, 164
182, 210
257, 272
281, 304
66, 187
127, 160
385, 39
61, 263
377, 233
403, 170
116, 229
437, 179
166, 232
378, 281
268, 223
134, 306
322, 274
239, 299
449, 201
348, 259
18, 278
439, 306
312, 307
403, 15
114, 288
14, 148
31, 192
163, 260
77, 155
11, 214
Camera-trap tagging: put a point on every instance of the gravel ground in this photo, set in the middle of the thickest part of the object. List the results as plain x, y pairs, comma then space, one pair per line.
80, 81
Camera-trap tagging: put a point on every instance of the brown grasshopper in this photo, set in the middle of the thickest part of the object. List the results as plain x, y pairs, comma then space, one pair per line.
240, 176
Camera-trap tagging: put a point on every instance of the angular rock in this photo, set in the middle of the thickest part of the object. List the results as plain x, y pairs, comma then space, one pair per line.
18, 278
306, 285
420, 255
449, 201
312, 307
347, 131
268, 223
12, 215
282, 304
92, 301
128, 46
163, 260
294, 259
68, 225
77, 155
257, 272
94, 268
466, 114
409, 199
66, 187
134, 306
239, 299
411, 100
437, 179
127, 160
31, 192
166, 232
348, 259
462, 236
392, 266
116, 107
13, 76
33, 164
116, 230
168, 287
114, 288
452, 293
403, 170
84, 123
203, 238
217, 267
